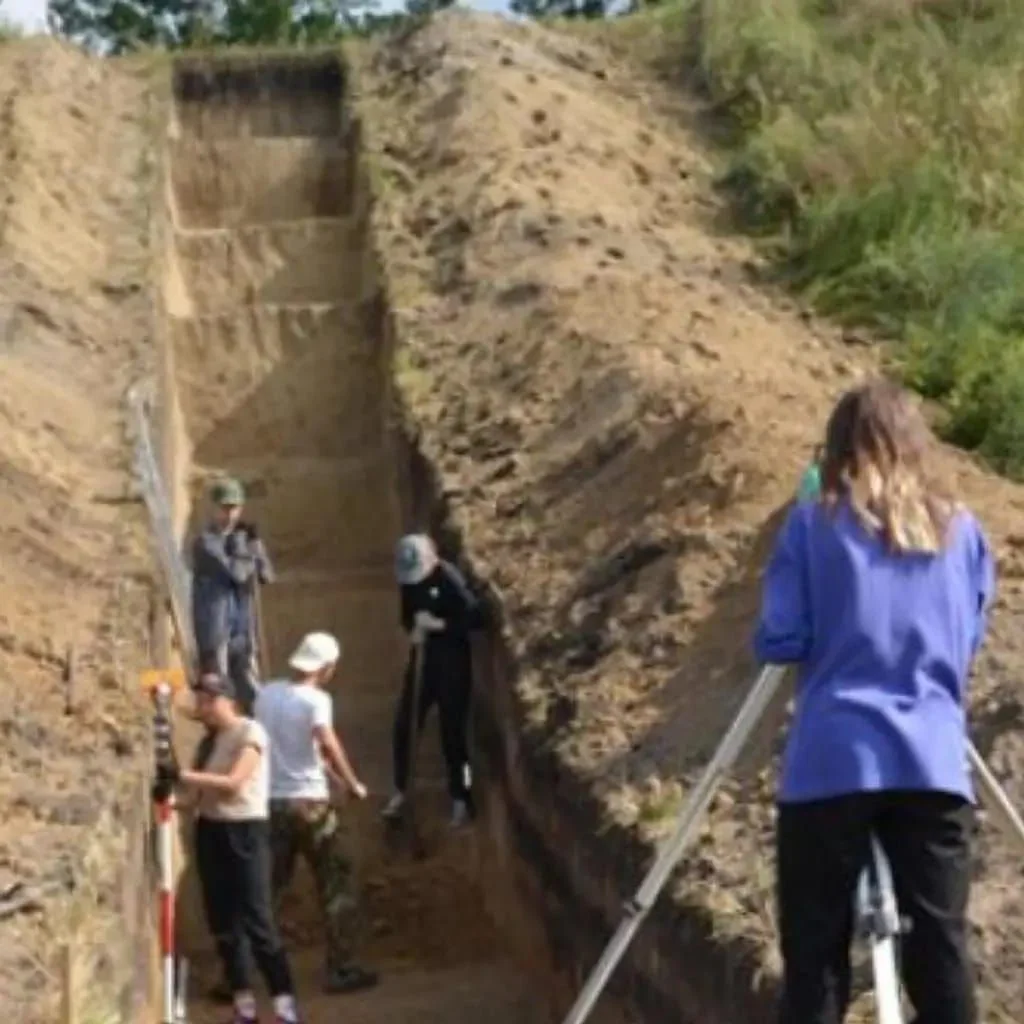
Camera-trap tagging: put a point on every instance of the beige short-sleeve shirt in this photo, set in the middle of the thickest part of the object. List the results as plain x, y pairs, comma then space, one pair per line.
251, 801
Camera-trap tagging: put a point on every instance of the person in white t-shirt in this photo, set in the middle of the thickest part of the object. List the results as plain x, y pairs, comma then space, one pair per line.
298, 717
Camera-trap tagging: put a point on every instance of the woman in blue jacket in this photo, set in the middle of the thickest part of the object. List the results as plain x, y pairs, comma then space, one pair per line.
877, 589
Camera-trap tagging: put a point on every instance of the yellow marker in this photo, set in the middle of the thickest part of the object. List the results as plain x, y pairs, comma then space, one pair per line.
172, 677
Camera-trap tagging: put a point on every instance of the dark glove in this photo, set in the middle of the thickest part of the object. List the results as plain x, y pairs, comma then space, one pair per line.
167, 777
249, 529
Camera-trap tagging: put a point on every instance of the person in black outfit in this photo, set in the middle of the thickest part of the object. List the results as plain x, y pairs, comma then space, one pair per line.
438, 613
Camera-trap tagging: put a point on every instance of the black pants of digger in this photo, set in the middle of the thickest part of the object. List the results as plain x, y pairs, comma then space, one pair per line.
448, 684
233, 862
822, 848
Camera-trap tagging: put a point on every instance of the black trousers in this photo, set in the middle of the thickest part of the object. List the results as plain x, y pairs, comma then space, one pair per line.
234, 659
233, 861
448, 685
822, 848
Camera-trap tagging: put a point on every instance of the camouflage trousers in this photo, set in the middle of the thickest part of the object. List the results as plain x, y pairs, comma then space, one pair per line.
313, 830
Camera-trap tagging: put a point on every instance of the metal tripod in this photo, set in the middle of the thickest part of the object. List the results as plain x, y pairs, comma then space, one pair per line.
878, 923
877, 878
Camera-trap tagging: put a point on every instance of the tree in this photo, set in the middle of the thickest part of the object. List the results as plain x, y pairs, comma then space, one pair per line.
276, 21
425, 8
120, 26
562, 8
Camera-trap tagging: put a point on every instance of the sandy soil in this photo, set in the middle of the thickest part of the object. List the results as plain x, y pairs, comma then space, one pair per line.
438, 955
73, 319
621, 412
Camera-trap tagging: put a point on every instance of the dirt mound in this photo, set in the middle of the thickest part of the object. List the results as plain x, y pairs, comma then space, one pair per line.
620, 413
73, 321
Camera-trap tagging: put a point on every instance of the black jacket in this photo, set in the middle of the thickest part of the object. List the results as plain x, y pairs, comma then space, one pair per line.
443, 593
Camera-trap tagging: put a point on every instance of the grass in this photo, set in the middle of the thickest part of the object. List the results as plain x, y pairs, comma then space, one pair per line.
878, 149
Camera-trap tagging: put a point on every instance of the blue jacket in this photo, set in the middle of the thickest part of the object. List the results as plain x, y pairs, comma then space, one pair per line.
225, 569
884, 645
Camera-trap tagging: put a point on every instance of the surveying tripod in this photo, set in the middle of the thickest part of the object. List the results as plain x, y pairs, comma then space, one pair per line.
875, 909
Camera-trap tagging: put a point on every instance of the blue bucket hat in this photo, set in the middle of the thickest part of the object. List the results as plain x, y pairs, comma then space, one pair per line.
415, 558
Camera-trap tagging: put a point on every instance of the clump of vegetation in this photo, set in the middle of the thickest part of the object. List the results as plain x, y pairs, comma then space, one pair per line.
879, 146
119, 26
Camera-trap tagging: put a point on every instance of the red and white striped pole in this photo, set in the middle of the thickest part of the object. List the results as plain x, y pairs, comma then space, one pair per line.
164, 845
165, 853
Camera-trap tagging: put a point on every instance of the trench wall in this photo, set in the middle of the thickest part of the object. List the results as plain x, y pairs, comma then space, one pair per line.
551, 844
275, 359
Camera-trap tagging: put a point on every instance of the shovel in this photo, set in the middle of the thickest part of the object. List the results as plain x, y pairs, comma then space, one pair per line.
408, 823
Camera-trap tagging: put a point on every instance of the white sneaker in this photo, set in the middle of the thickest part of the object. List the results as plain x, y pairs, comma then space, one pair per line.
460, 813
393, 808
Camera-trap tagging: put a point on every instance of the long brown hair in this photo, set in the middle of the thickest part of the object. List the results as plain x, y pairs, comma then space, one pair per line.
879, 456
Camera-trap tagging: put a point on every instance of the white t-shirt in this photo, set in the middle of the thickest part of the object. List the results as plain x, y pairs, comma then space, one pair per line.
290, 712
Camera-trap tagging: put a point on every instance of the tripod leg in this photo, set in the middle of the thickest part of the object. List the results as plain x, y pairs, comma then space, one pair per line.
887, 985
996, 799
696, 807
878, 919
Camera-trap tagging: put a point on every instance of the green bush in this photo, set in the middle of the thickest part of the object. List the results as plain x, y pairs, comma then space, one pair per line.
880, 144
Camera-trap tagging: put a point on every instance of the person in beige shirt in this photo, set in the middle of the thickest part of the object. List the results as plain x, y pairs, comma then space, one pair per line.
232, 849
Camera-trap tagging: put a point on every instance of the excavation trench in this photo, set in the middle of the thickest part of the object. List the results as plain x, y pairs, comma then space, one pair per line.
276, 341
276, 345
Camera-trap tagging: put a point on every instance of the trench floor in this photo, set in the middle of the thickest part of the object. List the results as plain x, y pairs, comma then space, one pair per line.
439, 955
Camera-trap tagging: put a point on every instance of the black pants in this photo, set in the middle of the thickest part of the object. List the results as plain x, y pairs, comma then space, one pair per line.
233, 861
822, 848
448, 686
234, 660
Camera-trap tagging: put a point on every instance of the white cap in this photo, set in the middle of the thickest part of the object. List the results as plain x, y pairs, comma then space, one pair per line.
317, 651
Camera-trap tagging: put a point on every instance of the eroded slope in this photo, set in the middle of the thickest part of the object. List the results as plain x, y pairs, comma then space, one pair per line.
620, 413
73, 322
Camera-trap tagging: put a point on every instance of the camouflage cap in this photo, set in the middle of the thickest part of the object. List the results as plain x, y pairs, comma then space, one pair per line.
227, 492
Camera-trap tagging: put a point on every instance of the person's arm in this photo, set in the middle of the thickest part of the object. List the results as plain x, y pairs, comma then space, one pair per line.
241, 772
264, 567
331, 749
785, 628
984, 583
462, 610
211, 559
337, 760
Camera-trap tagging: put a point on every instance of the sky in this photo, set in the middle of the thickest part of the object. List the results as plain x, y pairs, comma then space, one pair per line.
31, 14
